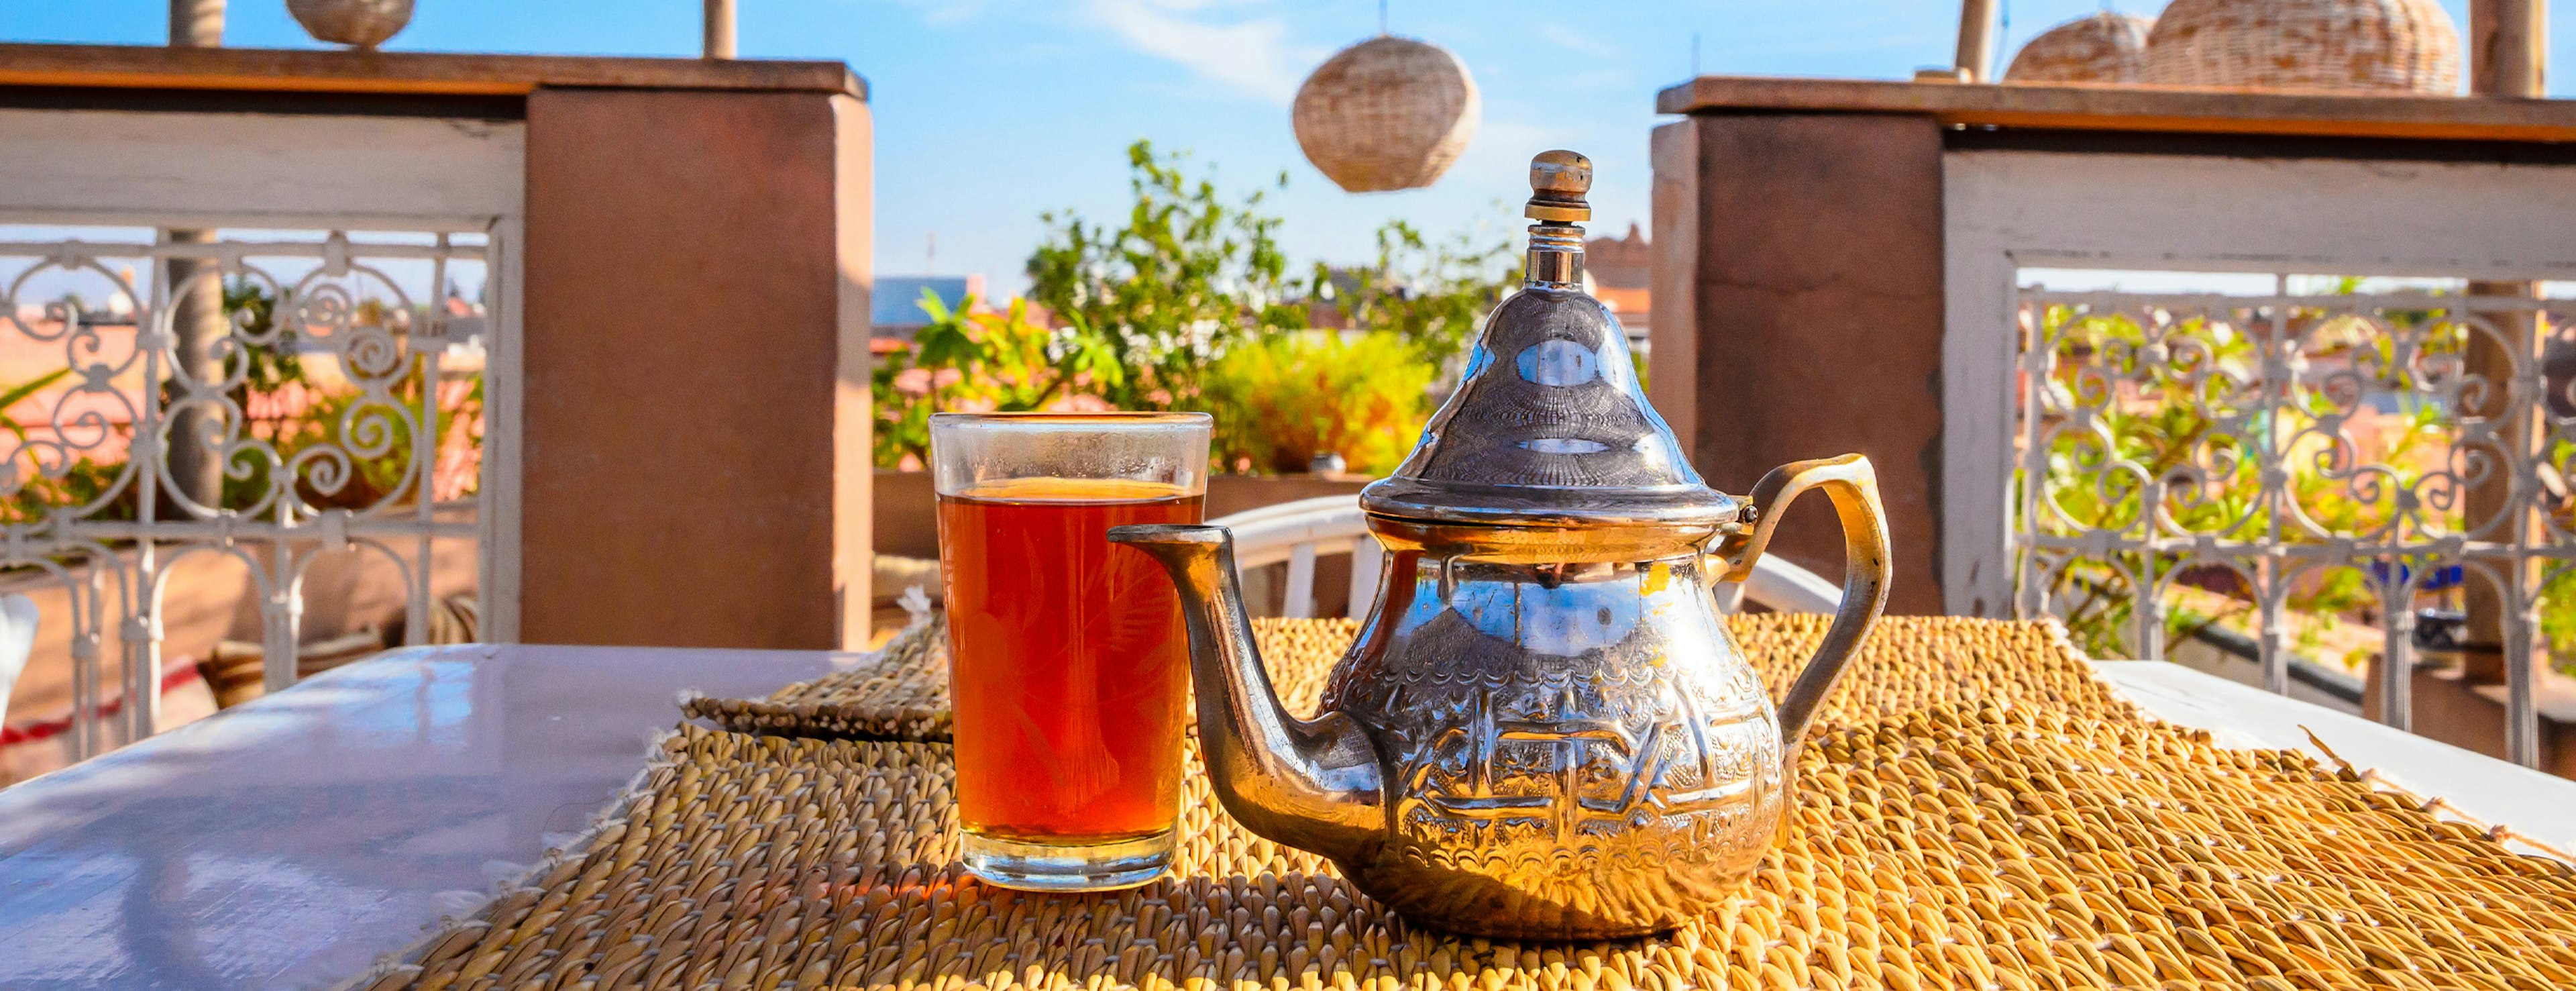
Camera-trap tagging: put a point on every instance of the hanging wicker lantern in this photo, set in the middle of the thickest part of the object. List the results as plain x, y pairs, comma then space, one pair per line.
360, 24
2401, 46
2102, 48
1387, 113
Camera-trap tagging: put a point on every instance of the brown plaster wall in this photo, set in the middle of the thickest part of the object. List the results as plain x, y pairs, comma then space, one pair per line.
1817, 318
1672, 362
690, 258
853, 402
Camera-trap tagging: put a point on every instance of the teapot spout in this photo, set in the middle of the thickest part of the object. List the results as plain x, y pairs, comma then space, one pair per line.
1311, 784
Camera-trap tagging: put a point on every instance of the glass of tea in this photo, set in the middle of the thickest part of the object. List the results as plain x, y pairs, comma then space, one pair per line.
1068, 668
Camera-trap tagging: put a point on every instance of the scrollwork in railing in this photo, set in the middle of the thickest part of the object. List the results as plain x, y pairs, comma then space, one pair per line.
2300, 453
74, 432
368, 339
319, 398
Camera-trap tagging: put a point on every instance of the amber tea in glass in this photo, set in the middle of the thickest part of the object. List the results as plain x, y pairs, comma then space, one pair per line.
1068, 668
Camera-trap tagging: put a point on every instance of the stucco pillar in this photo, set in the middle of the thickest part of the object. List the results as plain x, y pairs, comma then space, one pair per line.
696, 416
1802, 257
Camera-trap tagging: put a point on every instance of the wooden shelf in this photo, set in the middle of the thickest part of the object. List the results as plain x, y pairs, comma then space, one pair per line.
272, 70
2137, 108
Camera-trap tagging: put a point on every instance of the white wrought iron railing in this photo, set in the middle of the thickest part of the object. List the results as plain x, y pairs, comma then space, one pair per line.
2193, 458
338, 398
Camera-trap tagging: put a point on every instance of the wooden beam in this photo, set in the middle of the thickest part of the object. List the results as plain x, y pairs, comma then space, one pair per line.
1978, 26
197, 23
719, 29
283, 70
2508, 47
2137, 108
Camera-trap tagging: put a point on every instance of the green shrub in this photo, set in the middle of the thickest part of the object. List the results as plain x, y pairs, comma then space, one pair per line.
981, 362
1282, 399
1186, 306
1167, 294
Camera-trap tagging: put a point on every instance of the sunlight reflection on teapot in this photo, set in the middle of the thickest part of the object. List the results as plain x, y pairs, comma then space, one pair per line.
1544, 729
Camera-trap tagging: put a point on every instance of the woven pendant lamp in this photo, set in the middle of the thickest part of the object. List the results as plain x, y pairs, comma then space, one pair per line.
360, 24
2383, 46
2102, 48
1387, 113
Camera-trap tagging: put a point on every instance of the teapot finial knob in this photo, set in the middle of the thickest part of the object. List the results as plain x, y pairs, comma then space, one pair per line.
1558, 180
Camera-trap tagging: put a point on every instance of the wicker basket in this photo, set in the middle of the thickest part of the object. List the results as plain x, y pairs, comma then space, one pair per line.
1387, 113
2102, 48
2403, 46
360, 24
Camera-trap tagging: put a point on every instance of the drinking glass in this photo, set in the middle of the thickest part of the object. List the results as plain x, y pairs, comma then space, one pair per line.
1068, 668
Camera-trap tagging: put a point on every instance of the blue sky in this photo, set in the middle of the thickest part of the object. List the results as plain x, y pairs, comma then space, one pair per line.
991, 111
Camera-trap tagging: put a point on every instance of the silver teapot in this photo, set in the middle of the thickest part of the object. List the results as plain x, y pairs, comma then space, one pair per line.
1544, 729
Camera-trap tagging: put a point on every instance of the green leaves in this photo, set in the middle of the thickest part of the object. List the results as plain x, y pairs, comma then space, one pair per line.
946, 342
981, 361
1088, 355
267, 367
1188, 276
18, 393
1429, 293
1187, 305
1284, 398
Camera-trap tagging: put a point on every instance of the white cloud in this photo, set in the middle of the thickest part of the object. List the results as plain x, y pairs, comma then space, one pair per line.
1576, 41
1248, 54
944, 13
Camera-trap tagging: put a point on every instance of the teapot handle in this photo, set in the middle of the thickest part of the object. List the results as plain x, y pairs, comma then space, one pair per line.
1853, 485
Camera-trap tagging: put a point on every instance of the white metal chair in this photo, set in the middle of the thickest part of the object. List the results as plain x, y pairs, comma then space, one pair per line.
17, 640
1296, 532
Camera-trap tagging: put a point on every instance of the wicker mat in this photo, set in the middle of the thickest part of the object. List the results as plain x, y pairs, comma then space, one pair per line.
897, 693
1978, 814
1911, 663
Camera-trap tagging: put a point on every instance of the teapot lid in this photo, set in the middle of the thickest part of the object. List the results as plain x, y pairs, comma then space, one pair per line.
1549, 425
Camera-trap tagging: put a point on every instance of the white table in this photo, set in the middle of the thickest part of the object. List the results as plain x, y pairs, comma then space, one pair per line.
2495, 792
289, 842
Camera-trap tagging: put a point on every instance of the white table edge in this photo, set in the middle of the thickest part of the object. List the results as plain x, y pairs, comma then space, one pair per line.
2482, 789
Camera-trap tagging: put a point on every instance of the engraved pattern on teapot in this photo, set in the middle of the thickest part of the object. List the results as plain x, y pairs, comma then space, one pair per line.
1602, 745
1544, 729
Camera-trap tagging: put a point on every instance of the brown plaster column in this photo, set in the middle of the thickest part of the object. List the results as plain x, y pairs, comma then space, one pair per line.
2507, 58
197, 316
1672, 363
1809, 247
695, 441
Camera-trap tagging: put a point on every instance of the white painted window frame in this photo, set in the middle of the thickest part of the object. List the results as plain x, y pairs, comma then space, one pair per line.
2009, 210
308, 172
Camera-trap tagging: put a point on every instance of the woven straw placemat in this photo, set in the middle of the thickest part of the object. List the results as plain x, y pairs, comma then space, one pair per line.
901, 693
1980, 814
